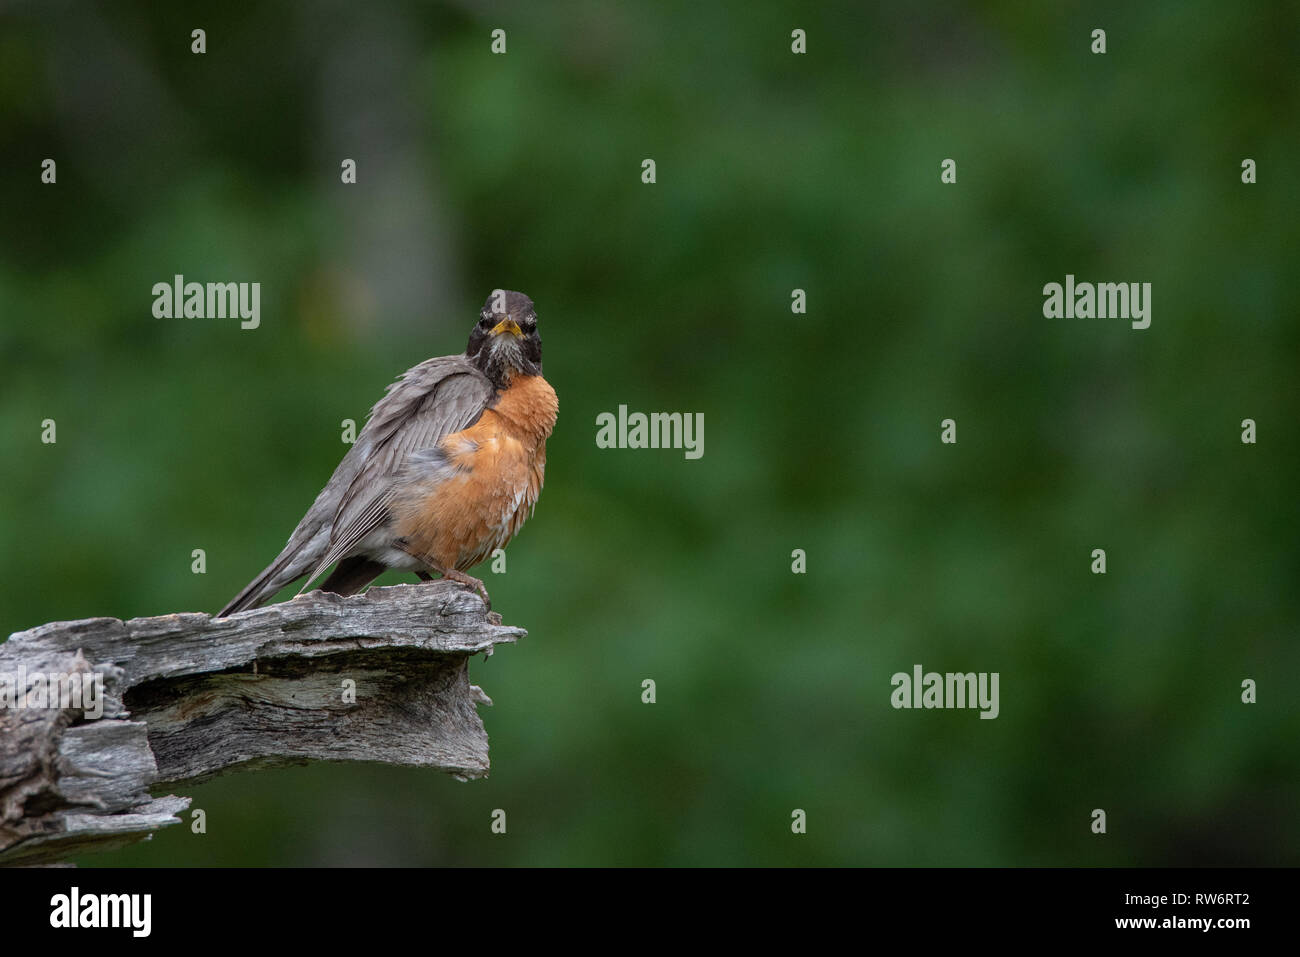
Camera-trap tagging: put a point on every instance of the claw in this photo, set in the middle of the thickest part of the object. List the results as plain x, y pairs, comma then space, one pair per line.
472, 583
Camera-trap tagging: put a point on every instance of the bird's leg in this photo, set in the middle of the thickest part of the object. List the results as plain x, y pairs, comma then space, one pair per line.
453, 575
450, 574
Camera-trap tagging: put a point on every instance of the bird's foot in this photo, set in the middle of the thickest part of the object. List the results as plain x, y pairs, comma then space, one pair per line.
457, 576
452, 574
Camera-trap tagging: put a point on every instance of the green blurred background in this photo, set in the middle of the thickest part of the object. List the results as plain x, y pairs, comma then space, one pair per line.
775, 172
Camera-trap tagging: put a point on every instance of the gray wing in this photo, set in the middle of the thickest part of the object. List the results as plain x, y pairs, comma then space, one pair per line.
431, 401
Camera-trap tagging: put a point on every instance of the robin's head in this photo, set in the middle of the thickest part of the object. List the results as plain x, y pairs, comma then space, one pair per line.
505, 342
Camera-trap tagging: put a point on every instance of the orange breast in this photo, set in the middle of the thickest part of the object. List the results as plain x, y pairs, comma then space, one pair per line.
499, 462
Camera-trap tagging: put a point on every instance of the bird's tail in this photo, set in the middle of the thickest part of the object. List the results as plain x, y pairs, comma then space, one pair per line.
299, 556
310, 541
352, 574
260, 588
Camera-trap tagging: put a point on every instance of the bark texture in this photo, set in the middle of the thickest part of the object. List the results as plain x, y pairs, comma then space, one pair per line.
382, 676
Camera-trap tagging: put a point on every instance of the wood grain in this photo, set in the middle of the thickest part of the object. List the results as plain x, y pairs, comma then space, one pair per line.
189, 696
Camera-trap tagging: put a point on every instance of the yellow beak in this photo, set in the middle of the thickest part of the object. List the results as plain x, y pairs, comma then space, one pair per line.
508, 325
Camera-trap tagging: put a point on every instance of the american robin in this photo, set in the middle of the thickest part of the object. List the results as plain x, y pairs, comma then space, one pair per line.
447, 468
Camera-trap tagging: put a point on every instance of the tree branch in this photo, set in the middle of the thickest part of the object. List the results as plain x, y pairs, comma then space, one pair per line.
189, 696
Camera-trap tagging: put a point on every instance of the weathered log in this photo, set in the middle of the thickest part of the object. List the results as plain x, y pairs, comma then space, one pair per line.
189, 696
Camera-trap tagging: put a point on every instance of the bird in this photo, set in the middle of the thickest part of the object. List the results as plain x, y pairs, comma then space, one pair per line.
447, 468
